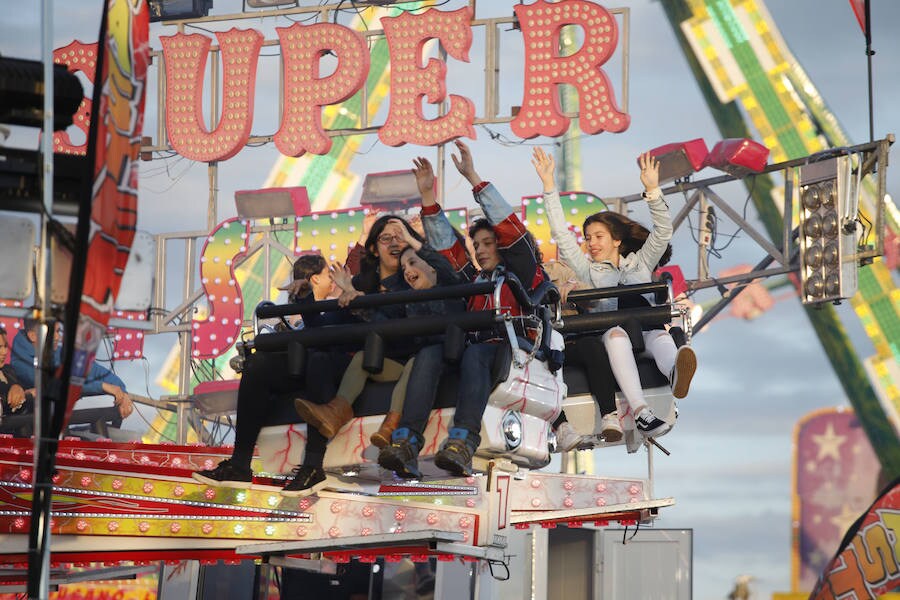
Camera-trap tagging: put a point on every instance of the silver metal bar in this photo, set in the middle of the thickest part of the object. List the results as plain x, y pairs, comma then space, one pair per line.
884, 148
528, 516
179, 310
212, 167
702, 248
160, 99
743, 277
483, 552
685, 210
39, 556
788, 212
184, 379
747, 227
380, 540
491, 71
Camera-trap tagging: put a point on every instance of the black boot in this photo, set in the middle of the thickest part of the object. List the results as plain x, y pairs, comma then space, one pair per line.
456, 454
402, 455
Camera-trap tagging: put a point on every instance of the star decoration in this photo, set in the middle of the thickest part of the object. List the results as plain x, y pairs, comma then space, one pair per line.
829, 443
845, 519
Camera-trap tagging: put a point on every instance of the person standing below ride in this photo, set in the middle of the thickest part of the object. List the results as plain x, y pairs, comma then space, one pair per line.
99, 380
266, 379
623, 252
13, 397
500, 239
422, 268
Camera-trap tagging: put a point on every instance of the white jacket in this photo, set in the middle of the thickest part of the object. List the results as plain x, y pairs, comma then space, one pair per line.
637, 267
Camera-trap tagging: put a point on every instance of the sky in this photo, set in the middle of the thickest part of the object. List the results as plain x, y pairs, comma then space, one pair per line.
730, 468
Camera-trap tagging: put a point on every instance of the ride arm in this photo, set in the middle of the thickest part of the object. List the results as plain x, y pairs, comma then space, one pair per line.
97, 376
569, 249
446, 273
442, 237
661, 232
519, 255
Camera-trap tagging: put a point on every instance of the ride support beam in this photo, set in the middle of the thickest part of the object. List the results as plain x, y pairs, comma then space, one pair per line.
824, 319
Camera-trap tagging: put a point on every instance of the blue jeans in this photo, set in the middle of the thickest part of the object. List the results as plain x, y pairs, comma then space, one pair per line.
421, 390
472, 394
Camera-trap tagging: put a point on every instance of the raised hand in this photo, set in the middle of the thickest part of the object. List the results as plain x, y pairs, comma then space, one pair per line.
342, 276
416, 223
297, 288
424, 175
398, 228
464, 163
649, 171
545, 166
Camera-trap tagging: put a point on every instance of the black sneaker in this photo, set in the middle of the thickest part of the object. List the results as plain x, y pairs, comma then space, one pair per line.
456, 455
307, 480
225, 475
649, 424
402, 455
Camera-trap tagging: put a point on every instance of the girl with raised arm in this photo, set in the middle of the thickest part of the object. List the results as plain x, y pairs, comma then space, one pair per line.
623, 252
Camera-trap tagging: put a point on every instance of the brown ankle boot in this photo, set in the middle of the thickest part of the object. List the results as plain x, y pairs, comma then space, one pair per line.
382, 437
327, 418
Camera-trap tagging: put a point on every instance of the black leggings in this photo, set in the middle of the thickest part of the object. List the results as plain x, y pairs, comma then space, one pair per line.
264, 383
589, 353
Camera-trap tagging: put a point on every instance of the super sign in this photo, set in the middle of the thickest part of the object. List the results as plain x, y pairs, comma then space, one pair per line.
305, 92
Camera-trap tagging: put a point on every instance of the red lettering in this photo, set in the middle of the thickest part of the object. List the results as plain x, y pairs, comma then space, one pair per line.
406, 36
540, 113
78, 57
185, 56
305, 93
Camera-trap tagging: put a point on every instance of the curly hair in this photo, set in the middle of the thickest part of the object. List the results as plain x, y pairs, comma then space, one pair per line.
369, 278
628, 231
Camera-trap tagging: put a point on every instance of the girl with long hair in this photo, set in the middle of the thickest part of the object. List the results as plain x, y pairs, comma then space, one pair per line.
623, 252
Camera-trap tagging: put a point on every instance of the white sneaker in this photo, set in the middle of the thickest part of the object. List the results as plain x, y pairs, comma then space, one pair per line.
683, 371
566, 437
649, 424
610, 430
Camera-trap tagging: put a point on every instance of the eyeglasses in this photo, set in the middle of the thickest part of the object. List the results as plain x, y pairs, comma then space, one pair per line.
387, 238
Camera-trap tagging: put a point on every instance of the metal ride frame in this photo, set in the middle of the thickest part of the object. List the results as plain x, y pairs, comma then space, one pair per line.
872, 157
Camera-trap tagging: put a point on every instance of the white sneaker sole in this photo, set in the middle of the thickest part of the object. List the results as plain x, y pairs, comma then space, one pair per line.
238, 485
685, 367
307, 492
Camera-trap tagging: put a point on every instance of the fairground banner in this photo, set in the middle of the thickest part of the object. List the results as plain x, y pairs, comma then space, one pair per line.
115, 138
835, 481
866, 565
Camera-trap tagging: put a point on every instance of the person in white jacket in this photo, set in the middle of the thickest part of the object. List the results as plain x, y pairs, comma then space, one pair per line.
623, 252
